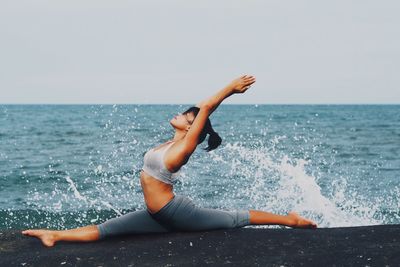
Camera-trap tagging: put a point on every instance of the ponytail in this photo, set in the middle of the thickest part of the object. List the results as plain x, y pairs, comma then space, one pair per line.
214, 140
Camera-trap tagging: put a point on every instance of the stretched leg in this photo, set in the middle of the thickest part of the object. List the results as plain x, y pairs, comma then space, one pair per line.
209, 219
182, 214
50, 237
292, 219
130, 223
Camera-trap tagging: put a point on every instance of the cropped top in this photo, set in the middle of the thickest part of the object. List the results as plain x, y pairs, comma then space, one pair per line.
154, 165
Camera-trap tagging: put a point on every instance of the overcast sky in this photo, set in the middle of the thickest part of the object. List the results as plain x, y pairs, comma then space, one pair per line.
184, 51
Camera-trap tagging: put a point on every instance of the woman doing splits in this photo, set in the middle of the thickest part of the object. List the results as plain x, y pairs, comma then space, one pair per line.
166, 211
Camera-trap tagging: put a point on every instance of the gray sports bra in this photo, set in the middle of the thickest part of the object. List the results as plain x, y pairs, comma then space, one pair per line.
154, 165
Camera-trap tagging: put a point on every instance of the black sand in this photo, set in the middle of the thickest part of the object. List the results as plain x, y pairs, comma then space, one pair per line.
353, 246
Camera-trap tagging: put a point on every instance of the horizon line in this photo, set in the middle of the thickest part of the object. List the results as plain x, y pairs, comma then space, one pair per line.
228, 104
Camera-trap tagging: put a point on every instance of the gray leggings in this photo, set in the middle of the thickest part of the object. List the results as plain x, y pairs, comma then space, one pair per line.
179, 214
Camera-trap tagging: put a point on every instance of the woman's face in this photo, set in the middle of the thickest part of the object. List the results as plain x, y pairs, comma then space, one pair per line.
182, 121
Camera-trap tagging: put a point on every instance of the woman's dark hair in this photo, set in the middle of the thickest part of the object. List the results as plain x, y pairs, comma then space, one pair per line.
214, 140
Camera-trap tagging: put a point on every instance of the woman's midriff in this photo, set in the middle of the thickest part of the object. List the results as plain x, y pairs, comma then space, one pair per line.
156, 193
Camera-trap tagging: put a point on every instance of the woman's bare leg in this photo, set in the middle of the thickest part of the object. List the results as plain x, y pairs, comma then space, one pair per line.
50, 237
291, 220
134, 222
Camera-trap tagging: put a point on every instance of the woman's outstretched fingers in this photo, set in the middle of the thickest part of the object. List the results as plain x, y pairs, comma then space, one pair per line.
241, 84
250, 79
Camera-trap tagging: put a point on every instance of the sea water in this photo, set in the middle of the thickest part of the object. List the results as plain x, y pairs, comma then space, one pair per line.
65, 166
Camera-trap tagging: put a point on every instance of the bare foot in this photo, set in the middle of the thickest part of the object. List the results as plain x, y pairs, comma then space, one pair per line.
47, 236
300, 222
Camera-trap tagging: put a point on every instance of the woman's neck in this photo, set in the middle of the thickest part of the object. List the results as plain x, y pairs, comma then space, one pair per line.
179, 135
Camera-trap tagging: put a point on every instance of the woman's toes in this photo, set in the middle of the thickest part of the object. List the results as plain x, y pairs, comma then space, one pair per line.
300, 222
26, 232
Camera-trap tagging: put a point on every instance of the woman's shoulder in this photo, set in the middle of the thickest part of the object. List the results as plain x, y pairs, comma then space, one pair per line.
176, 156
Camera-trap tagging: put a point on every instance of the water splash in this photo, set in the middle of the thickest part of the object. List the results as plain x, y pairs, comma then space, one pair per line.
75, 190
78, 195
281, 184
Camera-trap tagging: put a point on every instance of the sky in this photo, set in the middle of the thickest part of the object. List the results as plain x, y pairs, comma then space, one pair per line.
179, 52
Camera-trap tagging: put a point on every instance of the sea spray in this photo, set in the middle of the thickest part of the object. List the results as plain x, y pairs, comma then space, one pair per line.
91, 202
281, 184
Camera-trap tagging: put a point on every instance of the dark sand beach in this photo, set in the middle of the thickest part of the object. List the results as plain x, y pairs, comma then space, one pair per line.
350, 246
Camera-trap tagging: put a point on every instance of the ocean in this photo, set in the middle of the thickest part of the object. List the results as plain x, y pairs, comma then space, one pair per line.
65, 166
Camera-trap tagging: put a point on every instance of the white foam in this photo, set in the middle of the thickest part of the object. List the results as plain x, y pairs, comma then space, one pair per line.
280, 184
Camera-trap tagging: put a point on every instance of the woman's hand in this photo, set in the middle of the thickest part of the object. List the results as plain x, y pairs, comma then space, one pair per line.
241, 84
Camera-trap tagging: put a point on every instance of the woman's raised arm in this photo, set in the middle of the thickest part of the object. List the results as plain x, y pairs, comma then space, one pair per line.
239, 86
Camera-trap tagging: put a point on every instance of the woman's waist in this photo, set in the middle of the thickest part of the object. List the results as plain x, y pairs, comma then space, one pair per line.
162, 175
154, 183
156, 193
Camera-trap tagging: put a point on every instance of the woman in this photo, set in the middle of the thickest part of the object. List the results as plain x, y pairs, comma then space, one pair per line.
169, 212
